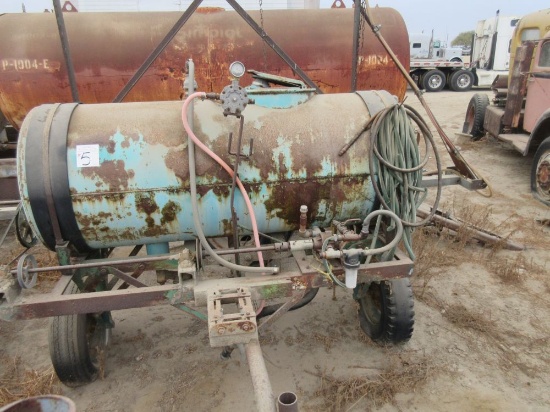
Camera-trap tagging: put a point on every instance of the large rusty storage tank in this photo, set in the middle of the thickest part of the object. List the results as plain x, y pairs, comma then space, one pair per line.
107, 48
118, 174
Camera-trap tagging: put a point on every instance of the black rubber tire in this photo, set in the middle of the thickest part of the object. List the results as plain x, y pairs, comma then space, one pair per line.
386, 311
540, 173
475, 115
23, 231
461, 81
75, 342
434, 80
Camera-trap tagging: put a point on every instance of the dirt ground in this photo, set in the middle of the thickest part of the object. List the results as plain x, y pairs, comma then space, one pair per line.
481, 338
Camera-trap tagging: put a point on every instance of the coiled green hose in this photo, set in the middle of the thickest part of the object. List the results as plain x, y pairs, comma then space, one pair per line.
397, 168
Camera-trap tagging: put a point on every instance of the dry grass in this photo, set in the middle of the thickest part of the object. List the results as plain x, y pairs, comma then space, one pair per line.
438, 248
512, 271
342, 394
17, 382
460, 316
463, 318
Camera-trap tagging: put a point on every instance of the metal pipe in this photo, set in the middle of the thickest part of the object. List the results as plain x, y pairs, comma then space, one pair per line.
66, 49
355, 52
474, 232
265, 401
101, 263
287, 402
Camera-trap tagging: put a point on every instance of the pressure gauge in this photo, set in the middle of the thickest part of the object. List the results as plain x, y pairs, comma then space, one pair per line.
237, 69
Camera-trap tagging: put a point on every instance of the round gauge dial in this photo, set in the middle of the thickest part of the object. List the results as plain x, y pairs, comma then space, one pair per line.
237, 69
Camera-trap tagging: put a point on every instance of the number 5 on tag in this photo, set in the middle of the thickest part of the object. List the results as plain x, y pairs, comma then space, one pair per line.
87, 155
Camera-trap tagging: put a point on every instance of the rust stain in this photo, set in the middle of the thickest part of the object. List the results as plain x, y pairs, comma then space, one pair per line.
169, 212
227, 227
146, 203
112, 173
286, 198
215, 38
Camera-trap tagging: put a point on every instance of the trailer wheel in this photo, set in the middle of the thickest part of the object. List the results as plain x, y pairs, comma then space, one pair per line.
77, 343
433, 81
540, 173
475, 115
461, 81
23, 231
386, 310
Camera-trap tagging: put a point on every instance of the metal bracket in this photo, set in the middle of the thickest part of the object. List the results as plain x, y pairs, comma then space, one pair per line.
239, 153
449, 180
235, 327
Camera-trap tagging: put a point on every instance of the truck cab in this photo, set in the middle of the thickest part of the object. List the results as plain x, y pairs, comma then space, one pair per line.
520, 113
424, 46
537, 119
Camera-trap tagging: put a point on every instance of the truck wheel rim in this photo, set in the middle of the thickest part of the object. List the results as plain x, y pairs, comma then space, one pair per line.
435, 81
463, 81
470, 114
543, 176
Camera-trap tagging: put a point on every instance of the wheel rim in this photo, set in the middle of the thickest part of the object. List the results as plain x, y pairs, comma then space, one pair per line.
435, 81
463, 81
371, 304
543, 176
24, 232
97, 336
470, 114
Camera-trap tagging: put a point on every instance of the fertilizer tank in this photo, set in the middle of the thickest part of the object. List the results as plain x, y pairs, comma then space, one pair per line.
117, 174
108, 48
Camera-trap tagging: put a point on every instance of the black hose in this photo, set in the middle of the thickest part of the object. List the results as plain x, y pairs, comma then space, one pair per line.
271, 309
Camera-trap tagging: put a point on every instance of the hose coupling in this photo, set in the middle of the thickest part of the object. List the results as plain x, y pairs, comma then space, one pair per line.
212, 96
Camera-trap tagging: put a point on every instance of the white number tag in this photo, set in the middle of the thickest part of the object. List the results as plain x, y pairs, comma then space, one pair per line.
87, 155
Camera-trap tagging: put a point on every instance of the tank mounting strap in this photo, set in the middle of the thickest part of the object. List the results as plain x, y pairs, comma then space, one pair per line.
47, 176
376, 100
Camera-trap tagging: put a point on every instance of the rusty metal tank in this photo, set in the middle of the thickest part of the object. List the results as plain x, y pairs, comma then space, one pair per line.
107, 48
117, 174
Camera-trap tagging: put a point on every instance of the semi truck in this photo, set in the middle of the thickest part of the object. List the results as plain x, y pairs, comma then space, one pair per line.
434, 66
491, 48
519, 114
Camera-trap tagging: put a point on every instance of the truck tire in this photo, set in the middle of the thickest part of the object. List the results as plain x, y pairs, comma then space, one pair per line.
75, 345
540, 173
475, 115
433, 81
386, 310
461, 81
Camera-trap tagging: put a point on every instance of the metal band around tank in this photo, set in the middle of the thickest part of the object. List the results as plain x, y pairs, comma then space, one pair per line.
47, 178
